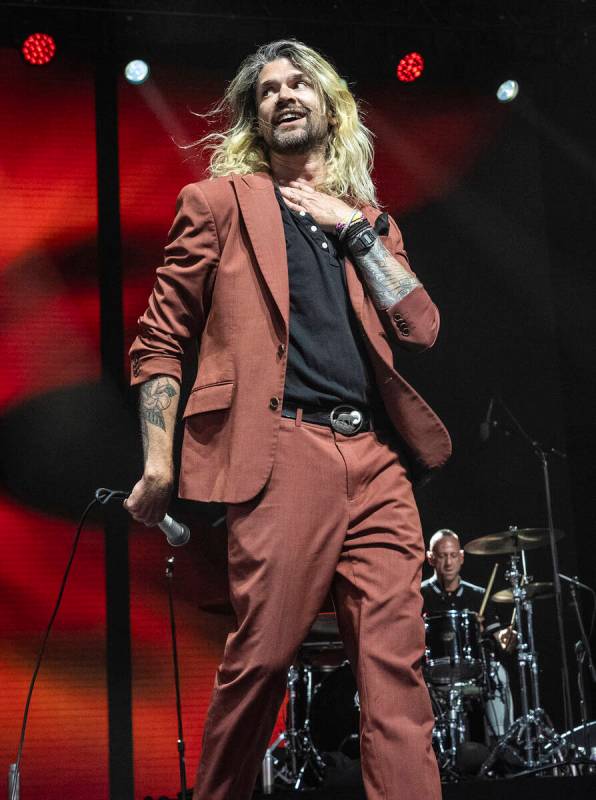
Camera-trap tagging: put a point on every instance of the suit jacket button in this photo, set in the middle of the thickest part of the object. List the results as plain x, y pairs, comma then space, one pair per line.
281, 350
405, 331
274, 403
397, 317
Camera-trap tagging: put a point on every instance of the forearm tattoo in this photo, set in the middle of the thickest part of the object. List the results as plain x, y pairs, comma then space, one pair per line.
387, 280
155, 396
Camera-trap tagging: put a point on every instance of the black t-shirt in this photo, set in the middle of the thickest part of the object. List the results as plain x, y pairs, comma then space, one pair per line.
327, 359
467, 597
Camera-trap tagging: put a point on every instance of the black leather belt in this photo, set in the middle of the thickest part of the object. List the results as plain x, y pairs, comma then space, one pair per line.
345, 419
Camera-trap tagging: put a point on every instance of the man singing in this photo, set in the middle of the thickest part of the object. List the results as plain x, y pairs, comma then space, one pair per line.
301, 296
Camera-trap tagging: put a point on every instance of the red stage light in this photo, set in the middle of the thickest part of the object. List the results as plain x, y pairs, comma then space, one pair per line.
39, 48
410, 68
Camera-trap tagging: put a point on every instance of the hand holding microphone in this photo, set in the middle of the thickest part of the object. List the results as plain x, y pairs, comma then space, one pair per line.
148, 503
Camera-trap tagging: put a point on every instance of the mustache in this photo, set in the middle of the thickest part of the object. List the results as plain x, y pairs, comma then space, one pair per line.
271, 125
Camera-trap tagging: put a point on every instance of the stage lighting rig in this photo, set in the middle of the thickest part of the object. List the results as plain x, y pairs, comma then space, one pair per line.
410, 67
136, 71
39, 48
507, 91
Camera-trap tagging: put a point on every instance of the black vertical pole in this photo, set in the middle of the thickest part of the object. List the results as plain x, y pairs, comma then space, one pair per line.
112, 353
566, 684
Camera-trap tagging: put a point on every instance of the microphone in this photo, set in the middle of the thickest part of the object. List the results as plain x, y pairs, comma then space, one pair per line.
486, 425
177, 533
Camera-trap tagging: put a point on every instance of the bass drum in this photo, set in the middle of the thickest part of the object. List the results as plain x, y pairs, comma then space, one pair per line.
335, 713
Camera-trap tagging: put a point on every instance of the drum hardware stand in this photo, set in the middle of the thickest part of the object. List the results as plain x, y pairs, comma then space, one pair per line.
445, 755
543, 453
533, 726
451, 723
181, 746
300, 748
457, 727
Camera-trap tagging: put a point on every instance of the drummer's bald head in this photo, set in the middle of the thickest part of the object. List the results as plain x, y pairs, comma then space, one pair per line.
442, 533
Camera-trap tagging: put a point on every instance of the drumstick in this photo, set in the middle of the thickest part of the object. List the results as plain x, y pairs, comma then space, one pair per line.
509, 634
488, 590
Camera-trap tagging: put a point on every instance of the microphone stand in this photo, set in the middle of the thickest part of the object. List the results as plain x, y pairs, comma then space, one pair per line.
181, 746
542, 454
582, 652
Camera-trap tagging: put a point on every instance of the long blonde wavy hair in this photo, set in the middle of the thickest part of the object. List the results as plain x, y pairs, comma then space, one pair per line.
239, 148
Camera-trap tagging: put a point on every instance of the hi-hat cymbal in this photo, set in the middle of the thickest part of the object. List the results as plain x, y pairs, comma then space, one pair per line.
534, 591
511, 541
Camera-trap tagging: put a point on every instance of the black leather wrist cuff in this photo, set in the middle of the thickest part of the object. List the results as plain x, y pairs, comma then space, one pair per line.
360, 237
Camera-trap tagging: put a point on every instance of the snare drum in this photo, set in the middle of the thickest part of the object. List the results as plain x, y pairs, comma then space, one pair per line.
453, 652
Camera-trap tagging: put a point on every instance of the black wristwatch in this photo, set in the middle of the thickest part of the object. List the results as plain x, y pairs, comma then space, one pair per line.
362, 240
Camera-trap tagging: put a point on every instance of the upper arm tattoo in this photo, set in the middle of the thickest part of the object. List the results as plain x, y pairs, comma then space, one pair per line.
156, 395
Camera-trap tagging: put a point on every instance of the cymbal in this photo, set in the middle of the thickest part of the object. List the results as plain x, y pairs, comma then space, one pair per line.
510, 541
534, 591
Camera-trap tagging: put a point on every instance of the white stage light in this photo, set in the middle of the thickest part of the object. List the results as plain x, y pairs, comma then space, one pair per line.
136, 71
507, 91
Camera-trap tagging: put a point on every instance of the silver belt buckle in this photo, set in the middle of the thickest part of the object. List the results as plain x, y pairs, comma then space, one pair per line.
347, 420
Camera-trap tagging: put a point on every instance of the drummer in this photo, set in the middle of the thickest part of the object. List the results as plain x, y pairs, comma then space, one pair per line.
447, 591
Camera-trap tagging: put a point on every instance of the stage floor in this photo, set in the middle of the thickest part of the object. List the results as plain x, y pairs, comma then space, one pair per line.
580, 788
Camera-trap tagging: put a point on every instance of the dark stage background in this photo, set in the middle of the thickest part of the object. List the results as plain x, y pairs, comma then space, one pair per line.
496, 206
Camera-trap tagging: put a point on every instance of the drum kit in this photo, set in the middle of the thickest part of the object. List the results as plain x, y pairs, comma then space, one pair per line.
461, 672
460, 665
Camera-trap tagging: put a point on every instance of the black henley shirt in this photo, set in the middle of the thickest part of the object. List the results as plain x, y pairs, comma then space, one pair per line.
327, 360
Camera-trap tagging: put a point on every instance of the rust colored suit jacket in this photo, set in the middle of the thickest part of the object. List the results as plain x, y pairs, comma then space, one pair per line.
225, 281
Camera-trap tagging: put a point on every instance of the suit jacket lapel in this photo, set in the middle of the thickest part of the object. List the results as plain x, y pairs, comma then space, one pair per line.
262, 216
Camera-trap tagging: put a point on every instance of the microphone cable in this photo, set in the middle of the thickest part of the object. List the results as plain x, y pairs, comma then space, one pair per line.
102, 497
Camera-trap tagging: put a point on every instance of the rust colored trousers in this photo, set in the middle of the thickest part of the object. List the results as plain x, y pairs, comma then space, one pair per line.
337, 513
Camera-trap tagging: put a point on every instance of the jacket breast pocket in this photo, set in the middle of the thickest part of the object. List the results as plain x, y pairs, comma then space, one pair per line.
214, 397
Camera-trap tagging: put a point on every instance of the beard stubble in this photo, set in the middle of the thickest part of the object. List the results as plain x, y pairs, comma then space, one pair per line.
311, 136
